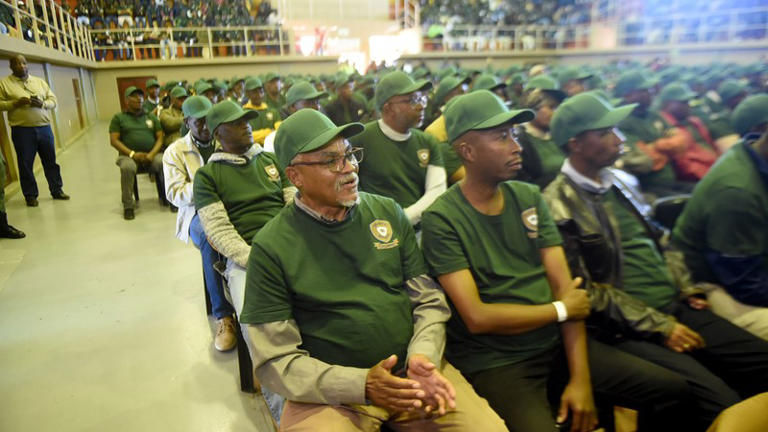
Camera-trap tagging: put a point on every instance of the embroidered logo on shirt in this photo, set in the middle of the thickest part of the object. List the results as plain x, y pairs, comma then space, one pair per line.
382, 231
531, 222
149, 123
272, 172
270, 116
423, 155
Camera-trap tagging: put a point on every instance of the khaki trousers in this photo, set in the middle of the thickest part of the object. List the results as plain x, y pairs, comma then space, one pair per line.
472, 414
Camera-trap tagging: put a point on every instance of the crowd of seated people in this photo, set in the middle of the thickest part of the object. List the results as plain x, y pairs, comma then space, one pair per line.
549, 289
147, 25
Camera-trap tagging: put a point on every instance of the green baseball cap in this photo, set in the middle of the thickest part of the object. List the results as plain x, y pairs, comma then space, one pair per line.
253, 83
203, 87
219, 84
152, 83
547, 84
584, 112
730, 88
751, 112
342, 79
480, 109
397, 83
487, 82
269, 76
233, 82
307, 130
196, 106
450, 70
179, 92
225, 112
631, 81
572, 73
516, 78
447, 85
131, 90
676, 91
302, 90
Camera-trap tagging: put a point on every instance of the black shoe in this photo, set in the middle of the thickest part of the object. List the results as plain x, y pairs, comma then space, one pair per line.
60, 195
128, 214
31, 201
11, 233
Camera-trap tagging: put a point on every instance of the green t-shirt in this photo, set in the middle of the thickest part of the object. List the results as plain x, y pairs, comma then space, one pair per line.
396, 169
275, 104
266, 119
148, 105
551, 157
502, 252
727, 214
645, 274
648, 129
136, 132
252, 193
343, 283
171, 120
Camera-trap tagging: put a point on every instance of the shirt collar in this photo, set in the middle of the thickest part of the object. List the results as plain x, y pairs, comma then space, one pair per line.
589, 185
760, 163
315, 214
393, 134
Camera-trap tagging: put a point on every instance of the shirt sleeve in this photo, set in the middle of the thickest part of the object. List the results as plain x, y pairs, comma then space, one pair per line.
204, 189
178, 186
267, 296
49, 99
549, 235
736, 226
430, 312
441, 244
410, 254
435, 184
114, 124
284, 368
435, 155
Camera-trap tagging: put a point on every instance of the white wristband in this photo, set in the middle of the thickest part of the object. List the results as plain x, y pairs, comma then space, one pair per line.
562, 312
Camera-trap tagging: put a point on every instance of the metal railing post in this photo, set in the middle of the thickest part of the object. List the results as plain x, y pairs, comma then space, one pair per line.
47, 24
31, 11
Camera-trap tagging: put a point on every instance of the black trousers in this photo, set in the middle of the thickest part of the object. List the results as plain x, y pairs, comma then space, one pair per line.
732, 365
29, 142
526, 395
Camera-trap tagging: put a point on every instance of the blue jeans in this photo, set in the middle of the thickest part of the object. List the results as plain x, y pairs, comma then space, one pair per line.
28, 142
220, 307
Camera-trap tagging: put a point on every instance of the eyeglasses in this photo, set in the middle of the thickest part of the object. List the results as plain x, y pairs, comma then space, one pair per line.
414, 100
336, 164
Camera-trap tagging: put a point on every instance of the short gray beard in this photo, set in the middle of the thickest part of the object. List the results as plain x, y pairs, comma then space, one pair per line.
348, 203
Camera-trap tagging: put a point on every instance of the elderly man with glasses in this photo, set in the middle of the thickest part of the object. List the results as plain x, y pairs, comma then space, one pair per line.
342, 318
403, 163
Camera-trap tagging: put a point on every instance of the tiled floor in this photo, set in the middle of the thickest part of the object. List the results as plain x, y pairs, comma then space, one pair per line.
102, 321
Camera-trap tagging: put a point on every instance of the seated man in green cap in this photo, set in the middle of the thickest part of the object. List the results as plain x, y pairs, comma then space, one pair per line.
403, 163
180, 163
609, 241
238, 191
644, 130
573, 80
153, 97
730, 92
346, 107
342, 318
236, 90
138, 138
301, 95
171, 119
497, 254
542, 158
450, 87
692, 149
723, 230
273, 86
268, 119
203, 88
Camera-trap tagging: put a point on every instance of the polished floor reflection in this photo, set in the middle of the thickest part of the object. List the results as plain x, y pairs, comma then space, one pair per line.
102, 321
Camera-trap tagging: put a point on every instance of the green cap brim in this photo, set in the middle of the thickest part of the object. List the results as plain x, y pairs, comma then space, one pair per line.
557, 94
613, 117
247, 114
516, 116
347, 130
